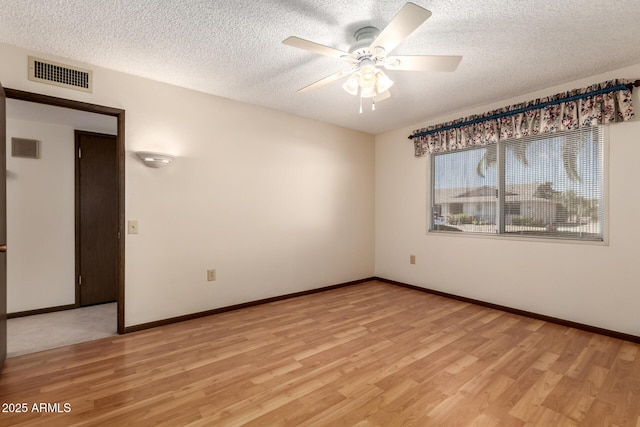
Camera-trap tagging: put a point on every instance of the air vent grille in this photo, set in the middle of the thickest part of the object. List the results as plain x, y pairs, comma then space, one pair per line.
57, 74
27, 148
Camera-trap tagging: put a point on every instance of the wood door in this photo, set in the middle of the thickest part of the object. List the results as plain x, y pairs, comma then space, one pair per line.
96, 218
3, 228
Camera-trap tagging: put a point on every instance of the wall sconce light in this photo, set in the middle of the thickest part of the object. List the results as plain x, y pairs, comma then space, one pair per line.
155, 160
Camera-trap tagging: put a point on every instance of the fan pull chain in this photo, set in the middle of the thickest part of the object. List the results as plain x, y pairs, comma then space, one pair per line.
373, 104
360, 105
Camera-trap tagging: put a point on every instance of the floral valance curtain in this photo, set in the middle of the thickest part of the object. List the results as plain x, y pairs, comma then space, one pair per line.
602, 103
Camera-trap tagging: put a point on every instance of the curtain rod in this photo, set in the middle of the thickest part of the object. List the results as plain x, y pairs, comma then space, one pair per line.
629, 86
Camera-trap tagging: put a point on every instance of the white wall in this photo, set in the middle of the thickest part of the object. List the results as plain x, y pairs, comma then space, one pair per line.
594, 284
276, 203
40, 205
40, 219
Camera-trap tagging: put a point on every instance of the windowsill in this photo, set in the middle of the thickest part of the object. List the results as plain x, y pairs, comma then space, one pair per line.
516, 237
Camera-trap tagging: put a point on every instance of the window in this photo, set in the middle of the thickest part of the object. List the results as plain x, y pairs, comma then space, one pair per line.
542, 186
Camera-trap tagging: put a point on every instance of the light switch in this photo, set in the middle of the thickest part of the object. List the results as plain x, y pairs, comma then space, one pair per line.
132, 227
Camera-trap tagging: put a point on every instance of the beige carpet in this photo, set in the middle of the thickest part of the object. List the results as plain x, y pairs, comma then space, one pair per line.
44, 331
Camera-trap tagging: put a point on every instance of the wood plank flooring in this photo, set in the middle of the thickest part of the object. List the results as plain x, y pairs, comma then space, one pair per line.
372, 354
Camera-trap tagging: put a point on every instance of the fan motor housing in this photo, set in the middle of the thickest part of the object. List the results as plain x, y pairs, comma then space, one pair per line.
364, 37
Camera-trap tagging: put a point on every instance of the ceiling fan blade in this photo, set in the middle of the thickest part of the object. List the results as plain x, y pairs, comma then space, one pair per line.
422, 63
315, 47
382, 96
410, 17
329, 79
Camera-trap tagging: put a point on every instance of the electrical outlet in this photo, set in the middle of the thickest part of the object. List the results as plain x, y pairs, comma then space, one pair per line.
132, 227
211, 275
412, 259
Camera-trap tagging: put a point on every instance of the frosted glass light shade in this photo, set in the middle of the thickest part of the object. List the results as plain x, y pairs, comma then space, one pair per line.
155, 160
367, 77
367, 92
383, 82
351, 85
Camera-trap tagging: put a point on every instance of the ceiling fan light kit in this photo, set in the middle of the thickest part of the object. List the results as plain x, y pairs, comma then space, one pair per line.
368, 81
369, 54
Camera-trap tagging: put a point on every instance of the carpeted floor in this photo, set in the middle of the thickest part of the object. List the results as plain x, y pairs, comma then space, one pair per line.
44, 331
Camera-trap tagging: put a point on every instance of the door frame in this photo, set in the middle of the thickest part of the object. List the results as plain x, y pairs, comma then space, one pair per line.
3, 229
120, 115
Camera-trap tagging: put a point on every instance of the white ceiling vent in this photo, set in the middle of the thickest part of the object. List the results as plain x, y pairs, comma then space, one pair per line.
54, 73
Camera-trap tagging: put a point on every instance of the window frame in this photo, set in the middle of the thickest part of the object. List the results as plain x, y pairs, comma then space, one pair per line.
602, 130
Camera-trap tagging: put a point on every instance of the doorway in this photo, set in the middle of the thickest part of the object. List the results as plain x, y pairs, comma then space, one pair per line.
117, 171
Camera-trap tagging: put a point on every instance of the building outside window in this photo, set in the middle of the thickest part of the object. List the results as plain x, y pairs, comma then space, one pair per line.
544, 186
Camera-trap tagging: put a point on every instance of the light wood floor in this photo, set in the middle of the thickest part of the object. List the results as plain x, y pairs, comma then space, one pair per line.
369, 354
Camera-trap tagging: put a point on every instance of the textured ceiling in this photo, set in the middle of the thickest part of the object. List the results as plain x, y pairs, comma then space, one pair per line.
233, 49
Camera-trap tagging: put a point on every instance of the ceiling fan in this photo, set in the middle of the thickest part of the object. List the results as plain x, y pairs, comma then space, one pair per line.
370, 53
